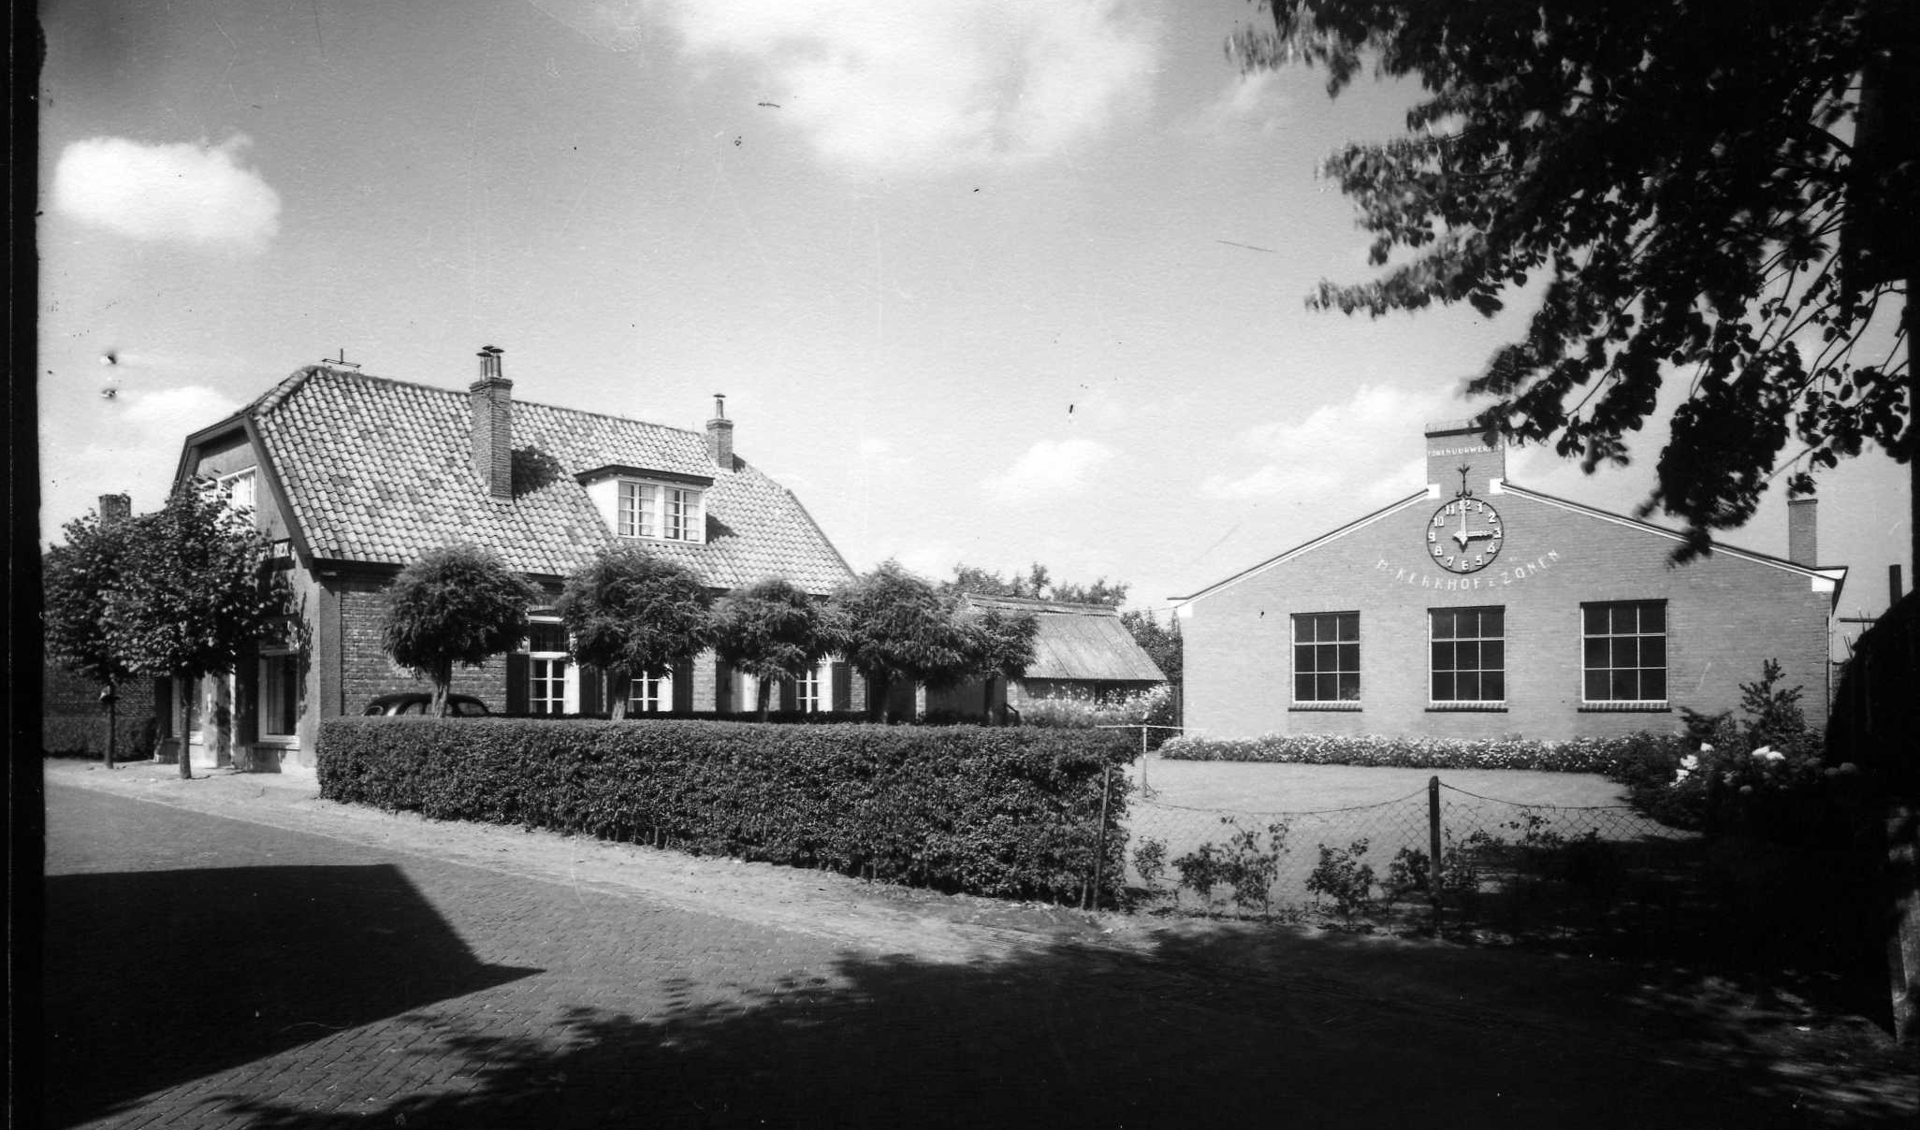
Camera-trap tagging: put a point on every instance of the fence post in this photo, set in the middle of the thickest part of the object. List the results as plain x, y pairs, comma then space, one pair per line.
1433, 850
1100, 841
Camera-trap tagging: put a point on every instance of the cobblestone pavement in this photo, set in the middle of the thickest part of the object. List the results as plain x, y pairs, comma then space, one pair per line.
233, 951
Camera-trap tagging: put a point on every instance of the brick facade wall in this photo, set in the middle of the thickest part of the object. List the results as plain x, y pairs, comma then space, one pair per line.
1725, 617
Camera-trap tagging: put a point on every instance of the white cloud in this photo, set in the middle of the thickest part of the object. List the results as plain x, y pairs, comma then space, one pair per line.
1364, 448
181, 193
910, 87
1247, 102
1051, 468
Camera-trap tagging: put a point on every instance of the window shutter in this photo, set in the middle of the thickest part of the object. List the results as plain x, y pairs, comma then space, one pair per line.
789, 695
683, 686
518, 675
593, 682
722, 686
842, 686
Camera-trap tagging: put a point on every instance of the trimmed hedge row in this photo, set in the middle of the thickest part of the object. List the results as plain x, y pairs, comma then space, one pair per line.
1612, 756
990, 811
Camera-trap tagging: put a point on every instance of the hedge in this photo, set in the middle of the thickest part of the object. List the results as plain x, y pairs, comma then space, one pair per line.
989, 811
1613, 756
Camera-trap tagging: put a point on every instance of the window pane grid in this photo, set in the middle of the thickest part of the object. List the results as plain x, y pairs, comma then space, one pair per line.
647, 693
1326, 657
1467, 655
1624, 652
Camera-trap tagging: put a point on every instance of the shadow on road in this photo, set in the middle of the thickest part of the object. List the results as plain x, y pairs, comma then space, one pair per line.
159, 977
1213, 1030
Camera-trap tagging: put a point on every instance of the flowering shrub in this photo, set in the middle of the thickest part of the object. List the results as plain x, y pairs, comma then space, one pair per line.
1081, 710
1580, 755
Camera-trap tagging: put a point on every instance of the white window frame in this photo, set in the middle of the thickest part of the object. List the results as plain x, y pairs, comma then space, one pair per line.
647, 695
813, 691
540, 670
230, 487
651, 510
1482, 670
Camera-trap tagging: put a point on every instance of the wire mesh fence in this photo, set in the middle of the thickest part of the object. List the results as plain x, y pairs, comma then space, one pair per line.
1440, 857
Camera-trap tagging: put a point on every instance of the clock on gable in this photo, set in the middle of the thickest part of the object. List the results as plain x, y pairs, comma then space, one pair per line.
1465, 534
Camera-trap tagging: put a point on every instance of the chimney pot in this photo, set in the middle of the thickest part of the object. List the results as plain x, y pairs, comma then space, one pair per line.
491, 401
1803, 531
115, 509
720, 434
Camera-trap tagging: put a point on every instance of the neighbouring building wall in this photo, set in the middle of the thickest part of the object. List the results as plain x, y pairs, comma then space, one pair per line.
74, 721
1725, 616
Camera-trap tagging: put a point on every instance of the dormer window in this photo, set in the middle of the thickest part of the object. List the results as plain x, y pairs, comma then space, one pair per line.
649, 503
237, 488
659, 510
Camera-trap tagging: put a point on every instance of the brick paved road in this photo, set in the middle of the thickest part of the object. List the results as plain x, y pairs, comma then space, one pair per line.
211, 972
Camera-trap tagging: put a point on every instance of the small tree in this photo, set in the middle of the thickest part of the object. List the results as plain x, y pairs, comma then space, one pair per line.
191, 594
1161, 642
633, 614
458, 604
999, 645
895, 627
77, 578
772, 630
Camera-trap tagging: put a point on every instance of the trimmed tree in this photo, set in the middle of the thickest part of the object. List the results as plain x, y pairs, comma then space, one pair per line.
894, 627
192, 593
633, 614
772, 630
459, 604
77, 577
999, 645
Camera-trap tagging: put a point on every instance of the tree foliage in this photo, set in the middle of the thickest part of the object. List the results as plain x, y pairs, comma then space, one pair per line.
1161, 642
633, 614
458, 604
894, 626
772, 630
77, 577
1687, 178
192, 595
1036, 583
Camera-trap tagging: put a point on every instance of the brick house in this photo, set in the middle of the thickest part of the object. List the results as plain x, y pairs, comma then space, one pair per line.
352, 477
1479, 608
1080, 650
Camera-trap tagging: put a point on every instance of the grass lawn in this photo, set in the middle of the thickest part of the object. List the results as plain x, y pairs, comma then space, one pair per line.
1260, 787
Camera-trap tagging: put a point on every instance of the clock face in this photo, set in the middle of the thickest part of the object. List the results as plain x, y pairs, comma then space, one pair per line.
1465, 535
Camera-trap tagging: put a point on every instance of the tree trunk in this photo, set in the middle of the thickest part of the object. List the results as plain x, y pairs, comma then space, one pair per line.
186, 732
111, 699
765, 695
986, 701
442, 686
618, 680
880, 686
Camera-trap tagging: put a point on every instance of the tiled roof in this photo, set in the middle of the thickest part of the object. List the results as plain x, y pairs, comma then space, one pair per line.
1078, 641
380, 471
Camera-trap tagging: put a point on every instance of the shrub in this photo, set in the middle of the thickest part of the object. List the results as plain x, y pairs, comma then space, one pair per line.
1153, 706
1580, 755
989, 811
1150, 860
1343, 879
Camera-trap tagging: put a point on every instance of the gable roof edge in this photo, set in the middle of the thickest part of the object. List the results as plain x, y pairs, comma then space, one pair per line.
1305, 547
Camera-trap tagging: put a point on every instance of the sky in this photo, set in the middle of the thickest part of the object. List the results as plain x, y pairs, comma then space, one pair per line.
989, 282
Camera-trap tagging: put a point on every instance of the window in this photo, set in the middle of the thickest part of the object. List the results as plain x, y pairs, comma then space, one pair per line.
646, 693
648, 510
238, 489
1624, 653
546, 668
1326, 659
1467, 652
280, 694
813, 691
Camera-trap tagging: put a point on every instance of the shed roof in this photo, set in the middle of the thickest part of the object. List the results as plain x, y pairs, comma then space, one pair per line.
1078, 641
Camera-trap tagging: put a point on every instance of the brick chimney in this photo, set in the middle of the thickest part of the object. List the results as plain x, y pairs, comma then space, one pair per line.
1457, 443
720, 433
115, 509
1803, 531
491, 398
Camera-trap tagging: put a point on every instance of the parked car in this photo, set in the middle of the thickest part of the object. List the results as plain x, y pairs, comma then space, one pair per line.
416, 704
